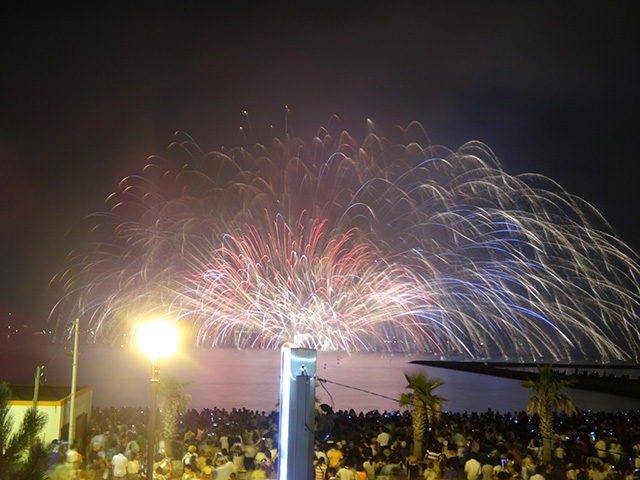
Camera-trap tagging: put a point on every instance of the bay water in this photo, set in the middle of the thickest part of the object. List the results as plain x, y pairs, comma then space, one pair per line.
230, 378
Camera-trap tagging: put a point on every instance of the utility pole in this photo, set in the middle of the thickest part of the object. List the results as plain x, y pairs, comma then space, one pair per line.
36, 388
74, 374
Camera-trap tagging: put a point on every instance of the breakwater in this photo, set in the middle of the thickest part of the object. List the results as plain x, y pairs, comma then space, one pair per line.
594, 378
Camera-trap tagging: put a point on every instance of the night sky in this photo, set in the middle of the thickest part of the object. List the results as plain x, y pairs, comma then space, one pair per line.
551, 87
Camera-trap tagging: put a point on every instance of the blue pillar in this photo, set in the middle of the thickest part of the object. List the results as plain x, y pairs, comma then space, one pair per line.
297, 414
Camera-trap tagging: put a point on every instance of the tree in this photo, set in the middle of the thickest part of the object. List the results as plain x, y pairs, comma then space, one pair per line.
23, 456
424, 404
174, 402
548, 399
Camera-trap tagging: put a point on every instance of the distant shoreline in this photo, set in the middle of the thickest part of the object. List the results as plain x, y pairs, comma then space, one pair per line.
626, 387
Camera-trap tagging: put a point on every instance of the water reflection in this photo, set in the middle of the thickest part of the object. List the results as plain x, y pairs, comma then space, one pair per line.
229, 378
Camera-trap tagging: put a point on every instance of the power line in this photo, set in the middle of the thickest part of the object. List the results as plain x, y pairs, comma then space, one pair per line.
356, 388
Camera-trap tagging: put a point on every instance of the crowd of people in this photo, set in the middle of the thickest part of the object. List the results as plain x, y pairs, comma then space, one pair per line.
242, 444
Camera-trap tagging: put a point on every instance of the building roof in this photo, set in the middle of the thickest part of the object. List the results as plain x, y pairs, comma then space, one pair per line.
46, 393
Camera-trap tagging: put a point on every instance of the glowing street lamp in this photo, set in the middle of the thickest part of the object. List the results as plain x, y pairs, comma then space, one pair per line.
156, 339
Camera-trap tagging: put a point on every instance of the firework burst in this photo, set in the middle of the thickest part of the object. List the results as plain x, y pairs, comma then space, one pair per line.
373, 246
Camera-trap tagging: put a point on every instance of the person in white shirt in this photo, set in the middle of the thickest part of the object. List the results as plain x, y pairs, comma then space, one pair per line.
346, 472
472, 468
225, 469
384, 438
73, 457
539, 473
119, 463
601, 448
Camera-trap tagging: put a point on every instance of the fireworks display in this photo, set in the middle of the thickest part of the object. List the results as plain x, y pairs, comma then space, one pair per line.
384, 246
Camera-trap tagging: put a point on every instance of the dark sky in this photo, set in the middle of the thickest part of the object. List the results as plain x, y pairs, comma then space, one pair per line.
86, 96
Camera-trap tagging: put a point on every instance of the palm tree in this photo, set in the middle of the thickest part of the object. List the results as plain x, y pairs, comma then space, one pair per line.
23, 456
548, 399
424, 403
173, 402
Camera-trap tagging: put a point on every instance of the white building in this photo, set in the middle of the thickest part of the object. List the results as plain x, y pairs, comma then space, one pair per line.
55, 402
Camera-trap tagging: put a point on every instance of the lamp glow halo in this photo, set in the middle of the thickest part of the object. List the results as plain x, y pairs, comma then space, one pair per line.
157, 339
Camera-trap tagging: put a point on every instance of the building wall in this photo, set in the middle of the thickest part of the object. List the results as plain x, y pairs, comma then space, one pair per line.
51, 430
57, 413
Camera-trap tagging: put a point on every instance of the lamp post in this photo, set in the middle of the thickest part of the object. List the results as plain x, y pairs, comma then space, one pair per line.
156, 339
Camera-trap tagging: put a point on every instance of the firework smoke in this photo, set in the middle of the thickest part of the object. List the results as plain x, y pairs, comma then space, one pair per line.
374, 246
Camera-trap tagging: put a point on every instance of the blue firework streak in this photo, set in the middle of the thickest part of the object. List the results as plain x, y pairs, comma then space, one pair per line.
375, 246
